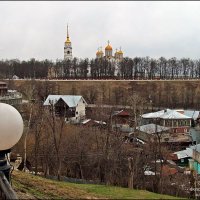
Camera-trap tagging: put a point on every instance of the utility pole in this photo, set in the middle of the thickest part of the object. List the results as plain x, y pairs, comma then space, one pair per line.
25, 139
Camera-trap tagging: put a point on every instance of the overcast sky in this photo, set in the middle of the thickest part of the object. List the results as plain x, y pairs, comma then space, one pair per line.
155, 29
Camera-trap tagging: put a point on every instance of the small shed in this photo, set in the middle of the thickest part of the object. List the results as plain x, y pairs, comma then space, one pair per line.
120, 117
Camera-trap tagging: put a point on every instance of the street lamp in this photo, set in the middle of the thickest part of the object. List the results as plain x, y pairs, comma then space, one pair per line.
11, 129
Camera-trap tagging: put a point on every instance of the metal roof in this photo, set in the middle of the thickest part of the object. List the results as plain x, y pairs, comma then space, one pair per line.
95, 121
120, 113
192, 113
184, 153
153, 114
165, 114
187, 152
70, 100
149, 173
151, 128
173, 114
85, 121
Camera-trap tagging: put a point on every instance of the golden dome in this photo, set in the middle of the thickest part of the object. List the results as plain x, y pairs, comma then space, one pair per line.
98, 53
120, 51
108, 47
67, 40
101, 52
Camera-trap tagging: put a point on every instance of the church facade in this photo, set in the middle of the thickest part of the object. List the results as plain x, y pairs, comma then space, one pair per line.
108, 55
118, 56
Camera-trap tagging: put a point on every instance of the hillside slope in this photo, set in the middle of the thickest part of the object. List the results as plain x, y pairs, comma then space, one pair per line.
29, 186
162, 93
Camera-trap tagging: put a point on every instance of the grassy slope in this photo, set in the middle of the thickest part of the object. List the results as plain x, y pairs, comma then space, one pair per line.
34, 187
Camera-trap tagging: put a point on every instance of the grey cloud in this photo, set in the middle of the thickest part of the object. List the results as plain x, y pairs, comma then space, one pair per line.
38, 29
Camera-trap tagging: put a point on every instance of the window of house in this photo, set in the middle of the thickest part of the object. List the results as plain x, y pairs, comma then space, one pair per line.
166, 139
174, 123
185, 130
182, 160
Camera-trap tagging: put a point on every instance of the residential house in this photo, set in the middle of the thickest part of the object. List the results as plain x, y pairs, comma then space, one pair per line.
194, 162
186, 157
195, 125
178, 125
174, 119
72, 107
151, 131
121, 121
11, 97
3, 88
181, 158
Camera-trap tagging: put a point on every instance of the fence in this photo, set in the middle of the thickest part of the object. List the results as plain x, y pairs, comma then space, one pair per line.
6, 191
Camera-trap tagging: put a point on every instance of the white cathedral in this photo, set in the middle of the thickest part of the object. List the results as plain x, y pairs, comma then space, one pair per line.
118, 56
114, 59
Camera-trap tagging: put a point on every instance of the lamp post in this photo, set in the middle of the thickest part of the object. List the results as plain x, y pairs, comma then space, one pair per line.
11, 129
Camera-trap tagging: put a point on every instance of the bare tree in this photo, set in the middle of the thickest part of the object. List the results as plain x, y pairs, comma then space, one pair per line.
56, 125
136, 104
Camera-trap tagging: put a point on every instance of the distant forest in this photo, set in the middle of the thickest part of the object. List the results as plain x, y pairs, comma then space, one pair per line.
129, 68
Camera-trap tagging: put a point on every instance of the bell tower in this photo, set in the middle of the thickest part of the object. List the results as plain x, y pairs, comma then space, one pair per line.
67, 48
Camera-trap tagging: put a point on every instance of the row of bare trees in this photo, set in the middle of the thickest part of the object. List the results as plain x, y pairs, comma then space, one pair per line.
162, 68
128, 68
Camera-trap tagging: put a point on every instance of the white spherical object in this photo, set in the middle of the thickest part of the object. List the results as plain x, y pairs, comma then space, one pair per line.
11, 126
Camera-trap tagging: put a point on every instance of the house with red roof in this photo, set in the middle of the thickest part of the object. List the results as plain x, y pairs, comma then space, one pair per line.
121, 121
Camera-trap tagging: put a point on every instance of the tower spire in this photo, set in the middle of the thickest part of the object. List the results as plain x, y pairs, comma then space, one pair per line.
67, 32
68, 40
68, 47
